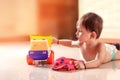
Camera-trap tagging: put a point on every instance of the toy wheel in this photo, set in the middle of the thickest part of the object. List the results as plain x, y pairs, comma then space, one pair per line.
29, 61
50, 59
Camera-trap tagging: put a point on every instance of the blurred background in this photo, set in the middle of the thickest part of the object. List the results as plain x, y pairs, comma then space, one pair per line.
21, 18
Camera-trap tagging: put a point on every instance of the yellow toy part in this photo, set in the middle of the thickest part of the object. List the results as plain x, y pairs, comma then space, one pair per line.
40, 42
36, 37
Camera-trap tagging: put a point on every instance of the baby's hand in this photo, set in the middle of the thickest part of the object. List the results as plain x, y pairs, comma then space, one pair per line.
79, 65
54, 40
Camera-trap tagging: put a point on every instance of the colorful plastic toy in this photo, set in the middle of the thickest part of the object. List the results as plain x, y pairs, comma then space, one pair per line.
40, 52
64, 64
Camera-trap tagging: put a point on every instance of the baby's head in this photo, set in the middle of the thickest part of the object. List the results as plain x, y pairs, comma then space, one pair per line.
92, 22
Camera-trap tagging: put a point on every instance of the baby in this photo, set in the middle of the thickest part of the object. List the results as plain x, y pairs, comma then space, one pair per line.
95, 52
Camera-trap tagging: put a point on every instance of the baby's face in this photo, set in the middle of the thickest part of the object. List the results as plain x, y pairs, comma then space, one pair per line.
82, 34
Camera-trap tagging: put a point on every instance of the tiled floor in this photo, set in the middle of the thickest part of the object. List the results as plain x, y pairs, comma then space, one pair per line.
13, 65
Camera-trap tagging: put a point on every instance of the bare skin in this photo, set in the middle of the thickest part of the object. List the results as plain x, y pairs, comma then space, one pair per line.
93, 51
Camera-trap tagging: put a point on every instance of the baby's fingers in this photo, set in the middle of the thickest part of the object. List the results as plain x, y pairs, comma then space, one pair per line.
77, 65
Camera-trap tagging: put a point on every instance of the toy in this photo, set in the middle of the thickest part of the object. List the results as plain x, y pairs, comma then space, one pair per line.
64, 64
40, 52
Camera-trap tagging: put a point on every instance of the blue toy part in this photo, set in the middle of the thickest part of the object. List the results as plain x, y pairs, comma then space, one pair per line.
38, 54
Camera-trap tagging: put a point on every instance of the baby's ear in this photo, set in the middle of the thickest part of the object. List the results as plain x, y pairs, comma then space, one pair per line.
93, 35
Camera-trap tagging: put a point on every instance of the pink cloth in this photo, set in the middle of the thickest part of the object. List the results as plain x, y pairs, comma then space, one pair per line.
64, 64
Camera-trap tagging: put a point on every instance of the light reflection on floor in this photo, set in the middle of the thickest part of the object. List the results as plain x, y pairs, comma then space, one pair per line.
13, 65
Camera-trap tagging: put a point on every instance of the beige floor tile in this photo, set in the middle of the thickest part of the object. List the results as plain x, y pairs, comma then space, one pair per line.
13, 65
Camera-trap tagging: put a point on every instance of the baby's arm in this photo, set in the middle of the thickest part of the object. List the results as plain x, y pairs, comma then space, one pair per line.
91, 64
65, 42
100, 58
79, 64
94, 63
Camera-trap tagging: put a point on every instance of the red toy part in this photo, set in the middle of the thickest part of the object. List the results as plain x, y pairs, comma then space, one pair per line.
64, 64
50, 59
30, 61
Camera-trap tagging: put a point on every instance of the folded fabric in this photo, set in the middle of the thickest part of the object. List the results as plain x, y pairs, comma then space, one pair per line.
64, 64
117, 45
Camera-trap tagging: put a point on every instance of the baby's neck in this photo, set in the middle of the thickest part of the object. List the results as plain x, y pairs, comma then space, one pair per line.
91, 44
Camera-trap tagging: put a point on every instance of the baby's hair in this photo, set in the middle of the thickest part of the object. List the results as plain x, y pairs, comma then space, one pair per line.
92, 22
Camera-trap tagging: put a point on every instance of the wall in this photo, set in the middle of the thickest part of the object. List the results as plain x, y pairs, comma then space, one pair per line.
17, 18
20, 18
58, 18
109, 10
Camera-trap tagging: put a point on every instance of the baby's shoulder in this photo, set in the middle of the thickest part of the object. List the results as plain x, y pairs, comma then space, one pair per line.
100, 45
